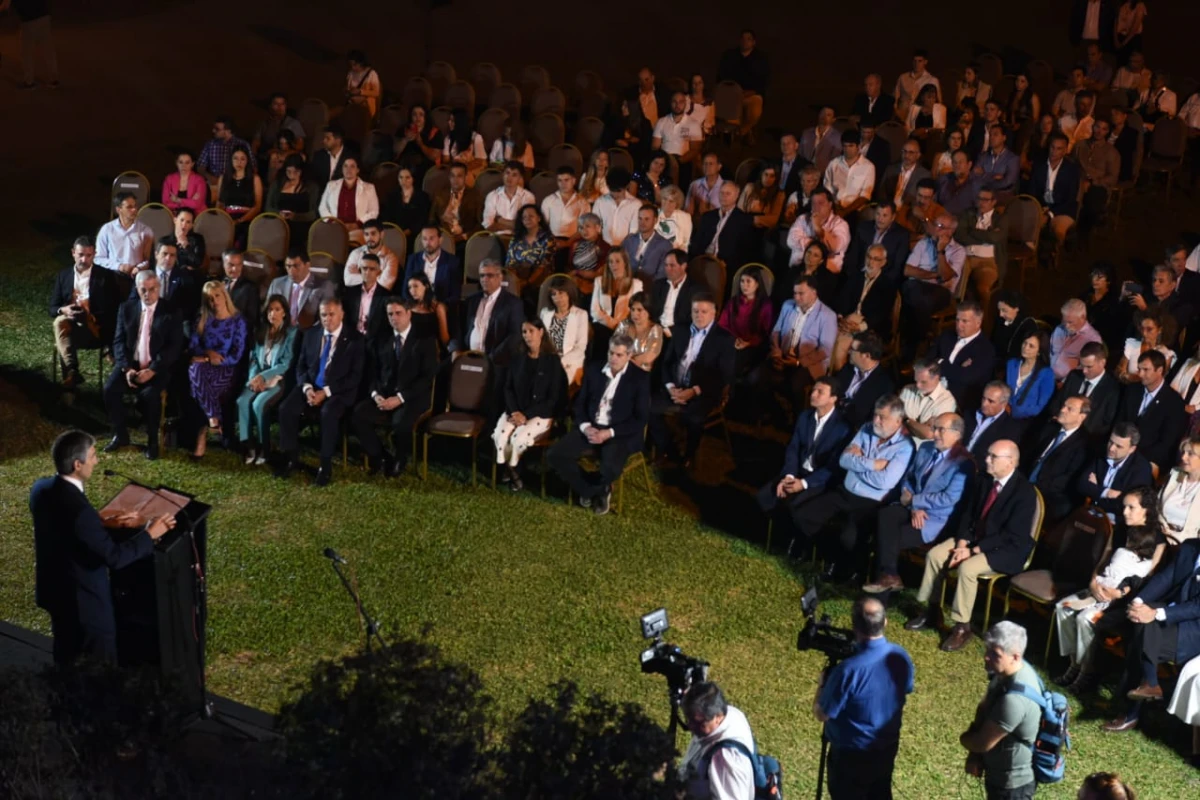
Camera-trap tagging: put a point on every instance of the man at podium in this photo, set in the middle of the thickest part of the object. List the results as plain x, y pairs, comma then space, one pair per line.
75, 552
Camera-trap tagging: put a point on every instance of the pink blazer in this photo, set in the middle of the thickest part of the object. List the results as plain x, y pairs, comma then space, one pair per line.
197, 193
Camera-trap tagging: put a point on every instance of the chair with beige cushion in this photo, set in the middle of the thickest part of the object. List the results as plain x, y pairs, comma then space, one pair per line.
466, 400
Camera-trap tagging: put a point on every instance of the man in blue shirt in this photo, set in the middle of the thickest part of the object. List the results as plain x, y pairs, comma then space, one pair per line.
861, 702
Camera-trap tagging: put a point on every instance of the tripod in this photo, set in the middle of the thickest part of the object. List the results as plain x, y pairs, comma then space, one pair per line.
372, 626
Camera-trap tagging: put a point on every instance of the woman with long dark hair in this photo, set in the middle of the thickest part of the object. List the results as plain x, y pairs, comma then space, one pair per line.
535, 390
1030, 377
429, 313
1014, 324
240, 191
420, 143
270, 364
749, 316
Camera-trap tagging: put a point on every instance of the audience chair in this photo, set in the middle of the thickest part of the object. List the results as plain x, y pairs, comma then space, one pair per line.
436, 180
727, 97
466, 400
392, 119
481, 245
991, 68
417, 90
1117, 193
619, 157
674, 85
216, 228
159, 218
485, 77
545, 132
325, 265
377, 148
589, 135
587, 80
1024, 214
129, 181
944, 318
384, 177
508, 97
634, 461
533, 77
892, 352
543, 444
440, 75
592, 104
270, 233
548, 100
1168, 145
313, 116
1080, 550
329, 235
1041, 81
491, 126
396, 240
717, 417
747, 171
258, 266
1003, 89
543, 185
355, 120
100, 350
989, 578
565, 155
895, 135
843, 124
488, 181
709, 272
510, 282
460, 94
448, 243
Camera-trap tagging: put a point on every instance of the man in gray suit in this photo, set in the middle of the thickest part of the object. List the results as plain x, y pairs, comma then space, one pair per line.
909, 170
822, 143
302, 290
647, 249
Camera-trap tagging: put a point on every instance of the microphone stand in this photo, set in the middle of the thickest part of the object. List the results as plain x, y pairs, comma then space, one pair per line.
372, 626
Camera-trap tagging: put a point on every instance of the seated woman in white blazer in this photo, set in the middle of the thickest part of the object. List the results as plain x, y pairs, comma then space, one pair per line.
359, 204
1179, 500
566, 324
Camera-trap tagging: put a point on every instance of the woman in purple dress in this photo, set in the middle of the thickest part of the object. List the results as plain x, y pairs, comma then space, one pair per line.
218, 343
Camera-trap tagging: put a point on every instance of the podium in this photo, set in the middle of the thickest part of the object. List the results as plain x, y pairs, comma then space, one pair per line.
159, 602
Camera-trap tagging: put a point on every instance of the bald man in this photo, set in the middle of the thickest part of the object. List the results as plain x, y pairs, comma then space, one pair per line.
995, 534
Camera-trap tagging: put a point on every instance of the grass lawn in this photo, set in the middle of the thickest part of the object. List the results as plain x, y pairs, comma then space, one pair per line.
525, 591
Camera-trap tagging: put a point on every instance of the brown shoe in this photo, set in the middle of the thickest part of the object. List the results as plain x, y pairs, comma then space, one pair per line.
885, 583
1145, 692
960, 634
1120, 725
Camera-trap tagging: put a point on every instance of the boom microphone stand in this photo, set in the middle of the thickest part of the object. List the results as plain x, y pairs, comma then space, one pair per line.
337, 561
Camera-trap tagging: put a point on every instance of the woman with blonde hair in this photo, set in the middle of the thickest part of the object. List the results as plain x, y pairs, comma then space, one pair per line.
218, 343
610, 300
1180, 495
595, 180
673, 222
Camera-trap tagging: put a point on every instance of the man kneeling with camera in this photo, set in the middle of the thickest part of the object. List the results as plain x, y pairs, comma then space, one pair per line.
861, 701
710, 767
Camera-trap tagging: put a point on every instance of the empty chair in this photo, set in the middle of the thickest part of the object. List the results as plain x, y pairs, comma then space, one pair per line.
727, 99
159, 219
587, 80
894, 134
747, 171
384, 178
130, 181
481, 245
545, 132
565, 155
436, 181
392, 119
329, 235
491, 126
461, 94
485, 77
466, 403
325, 265
440, 75
417, 91
377, 148
395, 240
533, 77
543, 185
507, 97
619, 157
592, 104
1024, 214
548, 100
313, 116
271, 234
1168, 144
991, 68
215, 227
355, 120
709, 272
259, 267
589, 135
488, 180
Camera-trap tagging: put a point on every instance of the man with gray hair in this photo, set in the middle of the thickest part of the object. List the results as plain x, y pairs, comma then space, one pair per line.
925, 399
966, 356
991, 422
933, 270
1069, 338
999, 742
717, 762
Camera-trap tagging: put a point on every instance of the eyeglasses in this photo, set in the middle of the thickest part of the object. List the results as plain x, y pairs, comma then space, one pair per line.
942, 428
994, 456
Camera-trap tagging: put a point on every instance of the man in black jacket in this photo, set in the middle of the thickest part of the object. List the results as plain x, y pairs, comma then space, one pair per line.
402, 369
83, 308
1093, 381
243, 292
726, 232
612, 410
493, 316
671, 297
1156, 409
966, 355
326, 164
873, 106
991, 422
75, 553
146, 346
176, 285
697, 370
994, 535
366, 304
1122, 468
328, 375
1056, 460
885, 232
863, 380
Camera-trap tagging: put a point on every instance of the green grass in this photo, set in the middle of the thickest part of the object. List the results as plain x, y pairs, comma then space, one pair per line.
525, 591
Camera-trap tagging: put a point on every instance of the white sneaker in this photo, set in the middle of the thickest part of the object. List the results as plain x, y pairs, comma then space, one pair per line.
258, 462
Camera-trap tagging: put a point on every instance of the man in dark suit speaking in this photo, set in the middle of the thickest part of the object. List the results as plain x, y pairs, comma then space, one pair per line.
75, 553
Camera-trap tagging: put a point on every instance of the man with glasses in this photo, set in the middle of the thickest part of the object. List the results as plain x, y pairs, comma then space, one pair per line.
214, 158
995, 534
933, 271
366, 304
886, 233
862, 380
493, 316
900, 180
983, 230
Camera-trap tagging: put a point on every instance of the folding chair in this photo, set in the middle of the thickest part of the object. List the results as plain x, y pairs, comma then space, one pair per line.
543, 185
592, 104
488, 181
491, 126
634, 461
895, 135
587, 80
385, 178
545, 132
355, 120
565, 155
485, 77
619, 157
481, 245
709, 271
377, 148
747, 171
129, 181
394, 239
727, 99
313, 116
507, 97
392, 119
216, 228
417, 91
548, 100
991, 69
1168, 145
466, 399
270, 233
436, 180
1024, 214
440, 75
159, 218
589, 135
325, 265
533, 77
460, 94
329, 235
259, 267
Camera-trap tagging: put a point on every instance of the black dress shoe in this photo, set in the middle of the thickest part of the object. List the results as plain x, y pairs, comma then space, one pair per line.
116, 444
284, 470
375, 466
151, 453
923, 621
324, 475
395, 468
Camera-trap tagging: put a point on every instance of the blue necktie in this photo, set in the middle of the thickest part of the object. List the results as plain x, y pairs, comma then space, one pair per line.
933, 462
1033, 476
320, 382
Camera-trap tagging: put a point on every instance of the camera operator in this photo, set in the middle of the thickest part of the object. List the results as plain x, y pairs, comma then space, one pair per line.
861, 702
708, 769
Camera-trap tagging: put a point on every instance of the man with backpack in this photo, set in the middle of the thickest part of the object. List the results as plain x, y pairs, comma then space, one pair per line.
719, 761
1000, 742
861, 702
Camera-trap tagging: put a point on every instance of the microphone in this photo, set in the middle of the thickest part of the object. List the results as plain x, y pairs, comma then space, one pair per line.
333, 556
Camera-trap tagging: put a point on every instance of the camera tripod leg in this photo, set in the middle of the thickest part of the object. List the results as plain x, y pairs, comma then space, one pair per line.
821, 764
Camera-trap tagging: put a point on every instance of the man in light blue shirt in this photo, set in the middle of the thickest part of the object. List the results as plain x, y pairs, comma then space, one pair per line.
801, 343
998, 167
874, 462
932, 272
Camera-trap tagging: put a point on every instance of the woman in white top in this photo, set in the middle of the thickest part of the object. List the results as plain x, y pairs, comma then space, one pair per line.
1187, 383
1180, 496
970, 87
610, 298
464, 145
362, 82
944, 164
701, 109
512, 146
567, 325
673, 222
927, 114
1156, 328
595, 180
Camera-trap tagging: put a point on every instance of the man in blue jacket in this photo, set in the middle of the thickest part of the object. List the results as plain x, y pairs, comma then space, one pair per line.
931, 492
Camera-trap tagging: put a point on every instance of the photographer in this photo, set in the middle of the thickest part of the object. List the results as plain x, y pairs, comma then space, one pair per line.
861, 702
708, 769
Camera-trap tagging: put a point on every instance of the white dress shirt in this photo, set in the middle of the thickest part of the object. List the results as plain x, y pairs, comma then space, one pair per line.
563, 215
618, 219
808, 462
802, 232
83, 285
983, 223
676, 136
142, 353
499, 204
850, 181
667, 318
117, 245
604, 410
959, 345
483, 316
389, 266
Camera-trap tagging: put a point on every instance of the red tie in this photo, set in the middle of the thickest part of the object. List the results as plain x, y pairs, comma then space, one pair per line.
990, 501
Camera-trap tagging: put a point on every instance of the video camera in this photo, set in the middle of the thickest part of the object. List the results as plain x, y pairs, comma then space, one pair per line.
668, 660
835, 643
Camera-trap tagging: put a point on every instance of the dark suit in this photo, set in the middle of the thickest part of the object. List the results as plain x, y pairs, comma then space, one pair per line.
895, 240
1174, 587
683, 303
504, 325
628, 416
74, 555
343, 377
877, 306
736, 245
377, 320
650, 267
883, 110
166, 346
879, 153
245, 296
102, 301
971, 370
1054, 473
1002, 426
1108, 16
824, 452
319, 168
1133, 473
410, 376
885, 189
1161, 425
1005, 535
792, 184
1105, 399
860, 407
712, 371
470, 211
829, 148
447, 279
1066, 187
182, 291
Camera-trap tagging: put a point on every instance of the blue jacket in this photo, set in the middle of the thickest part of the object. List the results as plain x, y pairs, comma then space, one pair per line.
824, 451
283, 360
447, 280
1029, 400
862, 478
938, 493
820, 331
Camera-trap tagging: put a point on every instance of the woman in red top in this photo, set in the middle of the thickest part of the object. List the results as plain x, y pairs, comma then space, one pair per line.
749, 316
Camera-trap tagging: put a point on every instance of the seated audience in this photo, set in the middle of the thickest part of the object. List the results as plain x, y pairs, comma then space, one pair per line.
389, 264
588, 254
531, 251
492, 318
926, 399
646, 248
748, 67
191, 252
749, 316
610, 300
1092, 380
726, 232
618, 209
943, 163
862, 381
328, 375
429, 314
933, 270
1077, 126
885, 231
992, 422
566, 326
926, 115
82, 306
350, 199
997, 167
923, 209
800, 345
850, 177
326, 163
647, 335
1059, 197
873, 106
512, 145
366, 304
178, 287
564, 207
1158, 331
763, 199
909, 85
303, 290
965, 356
994, 534
501, 206
930, 494
278, 121
147, 343
362, 83
865, 302
958, 189
419, 144
820, 224
1156, 409
1107, 309
612, 410
1023, 106
535, 389
239, 190
1169, 301
1030, 378
971, 92
983, 230
459, 209
463, 145
678, 133
441, 269
292, 196
184, 188
1118, 471
1057, 458
1101, 166
900, 180
1160, 102
409, 208
647, 184
1180, 498
814, 265
214, 156
874, 463
401, 367
270, 364
217, 346
673, 222
1070, 337
823, 142
702, 110
595, 179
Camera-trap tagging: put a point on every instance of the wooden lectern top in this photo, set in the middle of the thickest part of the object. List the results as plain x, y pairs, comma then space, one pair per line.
136, 505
